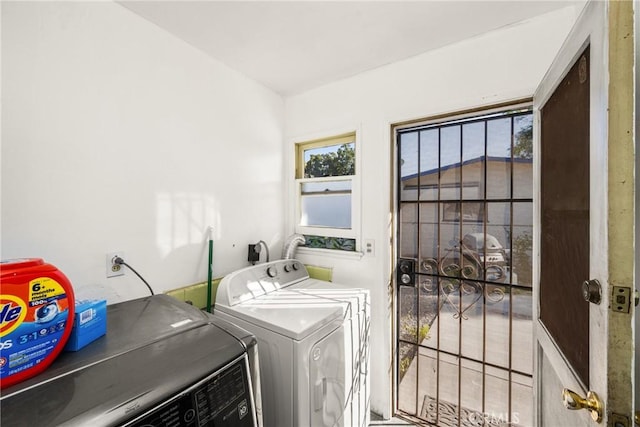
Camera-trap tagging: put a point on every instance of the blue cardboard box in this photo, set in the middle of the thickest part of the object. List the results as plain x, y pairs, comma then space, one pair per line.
89, 323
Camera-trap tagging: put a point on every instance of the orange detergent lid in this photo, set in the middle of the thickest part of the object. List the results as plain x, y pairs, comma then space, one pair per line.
11, 267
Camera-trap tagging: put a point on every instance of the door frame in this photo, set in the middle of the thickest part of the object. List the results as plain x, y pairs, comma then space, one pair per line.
608, 28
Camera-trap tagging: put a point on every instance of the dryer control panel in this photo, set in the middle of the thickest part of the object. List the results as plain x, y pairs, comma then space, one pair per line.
222, 399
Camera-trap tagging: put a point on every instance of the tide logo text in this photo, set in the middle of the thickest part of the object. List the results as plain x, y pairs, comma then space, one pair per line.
9, 312
12, 312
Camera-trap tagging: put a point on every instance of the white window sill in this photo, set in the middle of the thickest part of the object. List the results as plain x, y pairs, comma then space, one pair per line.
330, 253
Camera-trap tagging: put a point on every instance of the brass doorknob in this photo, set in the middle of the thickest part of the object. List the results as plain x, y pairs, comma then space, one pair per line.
592, 403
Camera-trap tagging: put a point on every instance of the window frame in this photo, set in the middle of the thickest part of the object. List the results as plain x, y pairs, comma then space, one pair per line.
300, 146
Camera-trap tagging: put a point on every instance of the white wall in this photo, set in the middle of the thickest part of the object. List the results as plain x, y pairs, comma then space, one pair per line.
500, 66
119, 136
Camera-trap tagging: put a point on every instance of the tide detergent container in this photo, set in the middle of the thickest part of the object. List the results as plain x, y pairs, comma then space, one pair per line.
36, 317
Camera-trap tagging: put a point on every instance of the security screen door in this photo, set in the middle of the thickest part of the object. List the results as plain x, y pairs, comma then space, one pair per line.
464, 273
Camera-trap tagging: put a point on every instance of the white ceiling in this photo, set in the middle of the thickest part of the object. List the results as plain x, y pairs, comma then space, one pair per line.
293, 46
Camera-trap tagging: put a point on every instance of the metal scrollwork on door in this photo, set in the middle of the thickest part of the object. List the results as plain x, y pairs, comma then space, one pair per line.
463, 273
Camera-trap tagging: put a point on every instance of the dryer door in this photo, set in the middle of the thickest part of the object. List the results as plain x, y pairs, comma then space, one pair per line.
328, 386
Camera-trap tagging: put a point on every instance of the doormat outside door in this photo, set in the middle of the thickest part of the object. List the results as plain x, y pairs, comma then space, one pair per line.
445, 414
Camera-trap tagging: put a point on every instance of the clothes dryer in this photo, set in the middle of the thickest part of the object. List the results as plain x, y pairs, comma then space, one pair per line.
161, 363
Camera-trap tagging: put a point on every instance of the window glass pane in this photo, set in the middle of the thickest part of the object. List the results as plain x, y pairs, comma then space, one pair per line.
429, 153
473, 160
330, 160
429, 238
449, 239
496, 396
326, 187
522, 251
472, 260
522, 397
471, 388
409, 230
499, 159
408, 310
429, 303
522, 157
324, 242
326, 210
428, 384
496, 247
471, 311
522, 351
448, 366
407, 378
499, 138
450, 163
497, 312
408, 166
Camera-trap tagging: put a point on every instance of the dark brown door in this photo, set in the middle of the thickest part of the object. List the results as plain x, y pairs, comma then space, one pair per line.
564, 248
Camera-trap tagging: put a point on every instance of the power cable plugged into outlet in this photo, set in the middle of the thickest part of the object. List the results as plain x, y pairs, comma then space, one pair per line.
117, 260
253, 255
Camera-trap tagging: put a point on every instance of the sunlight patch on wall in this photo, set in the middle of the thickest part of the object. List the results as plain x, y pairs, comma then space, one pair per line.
184, 219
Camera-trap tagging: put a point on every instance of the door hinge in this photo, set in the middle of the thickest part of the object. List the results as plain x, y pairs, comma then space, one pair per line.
620, 299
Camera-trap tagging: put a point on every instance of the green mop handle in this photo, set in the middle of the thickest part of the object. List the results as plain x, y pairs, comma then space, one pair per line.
210, 272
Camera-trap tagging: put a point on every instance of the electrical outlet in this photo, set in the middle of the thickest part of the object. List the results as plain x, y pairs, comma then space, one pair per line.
114, 269
369, 247
253, 253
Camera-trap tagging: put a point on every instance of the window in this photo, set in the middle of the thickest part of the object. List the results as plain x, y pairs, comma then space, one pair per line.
326, 192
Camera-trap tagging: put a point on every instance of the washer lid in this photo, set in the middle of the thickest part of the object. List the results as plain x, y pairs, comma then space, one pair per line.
358, 296
291, 314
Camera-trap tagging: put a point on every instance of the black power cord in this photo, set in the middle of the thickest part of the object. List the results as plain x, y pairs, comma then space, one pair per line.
119, 261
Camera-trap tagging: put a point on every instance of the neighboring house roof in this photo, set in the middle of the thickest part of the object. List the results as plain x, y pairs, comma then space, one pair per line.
468, 162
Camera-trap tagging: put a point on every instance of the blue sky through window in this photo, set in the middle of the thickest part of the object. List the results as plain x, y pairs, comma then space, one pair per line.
448, 152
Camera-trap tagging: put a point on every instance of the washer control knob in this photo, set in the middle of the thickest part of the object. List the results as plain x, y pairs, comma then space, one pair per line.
295, 266
272, 272
287, 268
189, 415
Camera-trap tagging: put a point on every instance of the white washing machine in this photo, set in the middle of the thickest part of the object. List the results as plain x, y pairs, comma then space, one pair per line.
312, 339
